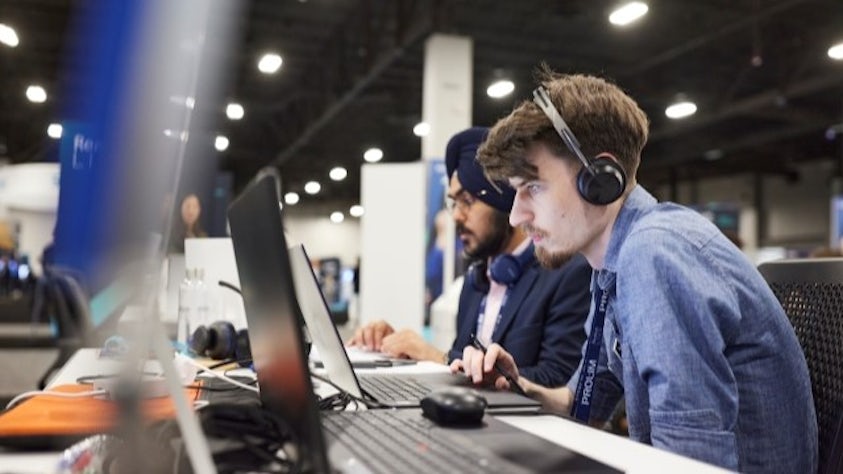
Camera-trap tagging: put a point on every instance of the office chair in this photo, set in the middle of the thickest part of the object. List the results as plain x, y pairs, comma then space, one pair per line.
61, 299
811, 292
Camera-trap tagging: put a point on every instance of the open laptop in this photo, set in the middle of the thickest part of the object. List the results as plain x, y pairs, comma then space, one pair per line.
370, 441
404, 390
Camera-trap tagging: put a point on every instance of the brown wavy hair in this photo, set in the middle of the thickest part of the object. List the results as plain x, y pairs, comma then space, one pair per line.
601, 115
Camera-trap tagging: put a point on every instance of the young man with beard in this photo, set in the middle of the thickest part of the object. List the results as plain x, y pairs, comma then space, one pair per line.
538, 315
682, 324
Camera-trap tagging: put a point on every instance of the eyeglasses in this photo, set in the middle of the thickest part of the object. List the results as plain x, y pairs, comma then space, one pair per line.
462, 201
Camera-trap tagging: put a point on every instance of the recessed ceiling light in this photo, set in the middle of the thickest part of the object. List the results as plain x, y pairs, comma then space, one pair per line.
337, 217
373, 155
312, 187
501, 88
291, 198
54, 130
36, 93
221, 143
234, 111
836, 52
356, 210
421, 129
8, 36
628, 13
270, 63
338, 173
681, 109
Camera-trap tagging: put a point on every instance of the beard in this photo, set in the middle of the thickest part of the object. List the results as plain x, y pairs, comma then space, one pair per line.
493, 242
546, 258
552, 260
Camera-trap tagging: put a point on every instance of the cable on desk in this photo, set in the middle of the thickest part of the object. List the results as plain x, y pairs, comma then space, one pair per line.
202, 368
34, 393
368, 402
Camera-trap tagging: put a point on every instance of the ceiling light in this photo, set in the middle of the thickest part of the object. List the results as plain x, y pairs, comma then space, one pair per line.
8, 36
312, 187
681, 109
36, 94
337, 217
356, 210
270, 63
628, 13
221, 143
291, 198
54, 130
373, 155
338, 173
500, 88
234, 111
836, 52
713, 154
421, 129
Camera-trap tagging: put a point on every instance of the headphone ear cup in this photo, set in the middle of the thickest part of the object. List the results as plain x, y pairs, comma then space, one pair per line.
605, 185
477, 277
505, 269
243, 348
222, 345
200, 340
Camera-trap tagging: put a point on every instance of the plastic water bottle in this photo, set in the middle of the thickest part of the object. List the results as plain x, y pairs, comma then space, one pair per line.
187, 309
202, 300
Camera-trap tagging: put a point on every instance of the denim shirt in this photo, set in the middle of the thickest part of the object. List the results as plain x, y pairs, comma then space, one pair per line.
699, 346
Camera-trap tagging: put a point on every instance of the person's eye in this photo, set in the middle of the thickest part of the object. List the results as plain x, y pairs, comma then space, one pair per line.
533, 188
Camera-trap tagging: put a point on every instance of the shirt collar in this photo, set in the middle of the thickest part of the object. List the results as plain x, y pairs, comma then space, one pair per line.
638, 201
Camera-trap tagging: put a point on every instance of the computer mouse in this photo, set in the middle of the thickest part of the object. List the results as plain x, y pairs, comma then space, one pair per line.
454, 406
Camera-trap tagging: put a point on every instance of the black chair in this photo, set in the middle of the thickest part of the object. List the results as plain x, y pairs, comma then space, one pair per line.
811, 292
61, 299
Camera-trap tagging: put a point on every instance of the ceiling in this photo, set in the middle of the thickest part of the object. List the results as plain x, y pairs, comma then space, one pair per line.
766, 90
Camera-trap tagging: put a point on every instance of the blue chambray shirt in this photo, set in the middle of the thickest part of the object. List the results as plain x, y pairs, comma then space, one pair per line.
699, 346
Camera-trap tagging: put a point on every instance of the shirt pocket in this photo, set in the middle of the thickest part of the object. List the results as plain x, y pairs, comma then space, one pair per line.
694, 433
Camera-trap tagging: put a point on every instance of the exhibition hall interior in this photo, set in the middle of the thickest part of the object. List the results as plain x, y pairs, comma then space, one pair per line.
255, 206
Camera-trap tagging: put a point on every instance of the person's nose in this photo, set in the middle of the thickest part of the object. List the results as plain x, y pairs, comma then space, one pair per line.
520, 214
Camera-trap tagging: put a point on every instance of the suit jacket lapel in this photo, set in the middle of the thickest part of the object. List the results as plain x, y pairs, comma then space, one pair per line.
514, 300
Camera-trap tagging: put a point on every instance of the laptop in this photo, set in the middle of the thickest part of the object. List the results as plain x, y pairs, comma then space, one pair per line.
373, 440
404, 390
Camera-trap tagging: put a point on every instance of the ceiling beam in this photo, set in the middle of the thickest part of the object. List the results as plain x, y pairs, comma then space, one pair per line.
750, 105
416, 31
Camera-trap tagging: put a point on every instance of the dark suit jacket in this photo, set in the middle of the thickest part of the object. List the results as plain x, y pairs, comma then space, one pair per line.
542, 322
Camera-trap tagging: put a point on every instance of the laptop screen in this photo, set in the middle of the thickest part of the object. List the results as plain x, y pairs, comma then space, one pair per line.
274, 316
321, 326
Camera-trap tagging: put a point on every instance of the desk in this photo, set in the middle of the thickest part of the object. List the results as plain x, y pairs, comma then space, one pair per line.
619, 452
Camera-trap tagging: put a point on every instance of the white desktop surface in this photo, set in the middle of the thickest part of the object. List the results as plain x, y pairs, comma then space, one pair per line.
616, 451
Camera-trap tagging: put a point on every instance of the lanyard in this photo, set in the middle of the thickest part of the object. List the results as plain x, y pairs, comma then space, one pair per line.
482, 316
588, 370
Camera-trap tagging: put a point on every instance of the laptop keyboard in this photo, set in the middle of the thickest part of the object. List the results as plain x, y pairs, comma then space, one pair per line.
389, 443
387, 388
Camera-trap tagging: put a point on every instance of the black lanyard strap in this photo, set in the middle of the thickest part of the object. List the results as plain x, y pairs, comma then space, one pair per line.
588, 370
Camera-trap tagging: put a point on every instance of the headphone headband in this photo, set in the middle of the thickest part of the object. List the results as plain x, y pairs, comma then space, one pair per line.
542, 99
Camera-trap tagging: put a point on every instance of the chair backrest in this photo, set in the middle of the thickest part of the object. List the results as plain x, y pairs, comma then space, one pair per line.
811, 292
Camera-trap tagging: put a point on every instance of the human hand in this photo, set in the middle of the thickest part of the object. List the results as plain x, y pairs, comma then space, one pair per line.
370, 336
409, 344
481, 369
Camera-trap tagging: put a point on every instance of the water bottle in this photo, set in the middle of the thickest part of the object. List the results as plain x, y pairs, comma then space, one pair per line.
202, 300
186, 316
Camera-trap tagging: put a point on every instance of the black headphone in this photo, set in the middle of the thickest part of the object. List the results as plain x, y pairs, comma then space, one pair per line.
601, 181
221, 341
506, 269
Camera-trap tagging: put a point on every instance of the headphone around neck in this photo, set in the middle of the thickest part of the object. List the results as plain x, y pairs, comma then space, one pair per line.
601, 181
506, 269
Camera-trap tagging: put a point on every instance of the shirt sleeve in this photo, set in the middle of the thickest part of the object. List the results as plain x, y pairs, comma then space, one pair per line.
675, 306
